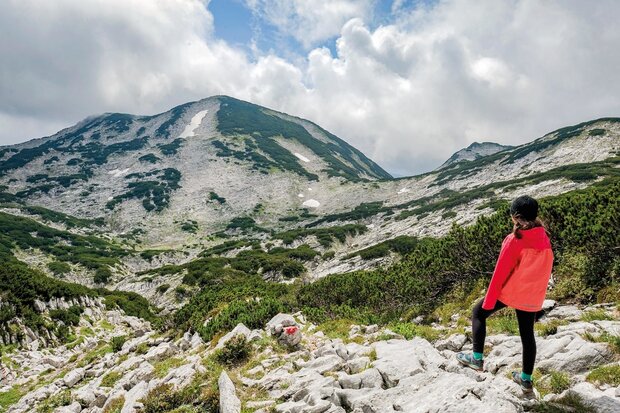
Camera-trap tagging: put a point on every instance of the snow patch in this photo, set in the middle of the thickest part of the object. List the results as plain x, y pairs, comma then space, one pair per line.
303, 158
309, 189
312, 203
301, 195
403, 190
193, 124
118, 172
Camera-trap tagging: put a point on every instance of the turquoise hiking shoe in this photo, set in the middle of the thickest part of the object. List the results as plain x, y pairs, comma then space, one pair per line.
467, 359
526, 385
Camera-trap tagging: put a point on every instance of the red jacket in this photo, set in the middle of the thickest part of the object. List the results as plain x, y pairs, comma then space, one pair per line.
522, 271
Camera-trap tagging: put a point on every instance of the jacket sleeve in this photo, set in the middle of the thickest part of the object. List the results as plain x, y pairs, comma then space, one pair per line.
508, 257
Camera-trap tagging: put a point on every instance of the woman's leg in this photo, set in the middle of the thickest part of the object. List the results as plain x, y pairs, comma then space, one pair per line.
479, 323
526, 330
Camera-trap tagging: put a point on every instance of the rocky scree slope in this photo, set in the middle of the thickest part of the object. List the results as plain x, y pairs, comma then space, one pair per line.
119, 364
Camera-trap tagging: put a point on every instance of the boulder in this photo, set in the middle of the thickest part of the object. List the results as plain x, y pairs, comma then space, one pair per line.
280, 320
229, 402
133, 397
72, 408
455, 342
357, 365
285, 329
239, 329
397, 359
73, 377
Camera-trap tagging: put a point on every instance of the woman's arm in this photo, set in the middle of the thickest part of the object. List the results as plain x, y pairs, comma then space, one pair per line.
508, 257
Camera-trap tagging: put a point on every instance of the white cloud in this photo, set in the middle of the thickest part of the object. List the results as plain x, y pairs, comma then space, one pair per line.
407, 94
309, 22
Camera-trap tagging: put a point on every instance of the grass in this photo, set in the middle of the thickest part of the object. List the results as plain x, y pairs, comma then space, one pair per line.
105, 324
101, 350
10, 397
503, 321
57, 400
605, 337
110, 379
75, 343
551, 381
460, 300
163, 367
572, 402
605, 374
410, 330
337, 328
549, 328
115, 406
596, 315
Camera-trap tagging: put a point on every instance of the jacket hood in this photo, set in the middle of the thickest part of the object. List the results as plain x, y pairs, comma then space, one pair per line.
535, 238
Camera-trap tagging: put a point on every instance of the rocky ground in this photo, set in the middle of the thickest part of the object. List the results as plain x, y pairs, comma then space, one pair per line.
295, 366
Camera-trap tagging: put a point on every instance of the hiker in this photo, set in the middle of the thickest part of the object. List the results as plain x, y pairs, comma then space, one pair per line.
519, 281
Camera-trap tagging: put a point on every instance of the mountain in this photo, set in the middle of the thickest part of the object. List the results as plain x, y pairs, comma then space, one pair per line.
136, 249
220, 156
474, 151
225, 178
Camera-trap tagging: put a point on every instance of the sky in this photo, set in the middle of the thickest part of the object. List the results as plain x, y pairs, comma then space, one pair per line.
407, 82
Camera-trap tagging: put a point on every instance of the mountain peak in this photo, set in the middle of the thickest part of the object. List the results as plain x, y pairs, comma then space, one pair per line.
475, 151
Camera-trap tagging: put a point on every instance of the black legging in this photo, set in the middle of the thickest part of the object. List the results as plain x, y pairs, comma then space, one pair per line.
526, 321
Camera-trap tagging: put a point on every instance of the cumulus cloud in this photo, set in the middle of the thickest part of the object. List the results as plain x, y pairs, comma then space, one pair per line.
408, 94
309, 22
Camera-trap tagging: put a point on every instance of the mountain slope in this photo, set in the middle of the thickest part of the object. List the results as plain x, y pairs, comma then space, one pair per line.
227, 176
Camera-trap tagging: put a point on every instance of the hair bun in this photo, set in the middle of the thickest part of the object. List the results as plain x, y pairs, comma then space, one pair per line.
525, 207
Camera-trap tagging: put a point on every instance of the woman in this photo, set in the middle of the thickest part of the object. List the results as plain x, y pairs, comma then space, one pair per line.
519, 281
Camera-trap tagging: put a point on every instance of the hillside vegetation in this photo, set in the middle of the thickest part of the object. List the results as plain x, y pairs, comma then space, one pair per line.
583, 226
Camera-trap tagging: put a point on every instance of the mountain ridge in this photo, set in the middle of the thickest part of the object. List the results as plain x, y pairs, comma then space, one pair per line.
178, 186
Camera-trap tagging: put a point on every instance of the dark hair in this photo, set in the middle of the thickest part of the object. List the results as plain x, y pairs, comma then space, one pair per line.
524, 210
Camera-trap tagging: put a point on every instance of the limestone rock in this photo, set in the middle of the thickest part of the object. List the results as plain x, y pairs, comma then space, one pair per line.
229, 402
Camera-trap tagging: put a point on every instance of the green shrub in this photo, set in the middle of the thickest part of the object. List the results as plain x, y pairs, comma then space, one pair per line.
190, 226
559, 382
59, 268
609, 294
215, 197
118, 342
162, 288
131, 303
70, 317
571, 402
142, 348
328, 255
503, 324
235, 351
102, 275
